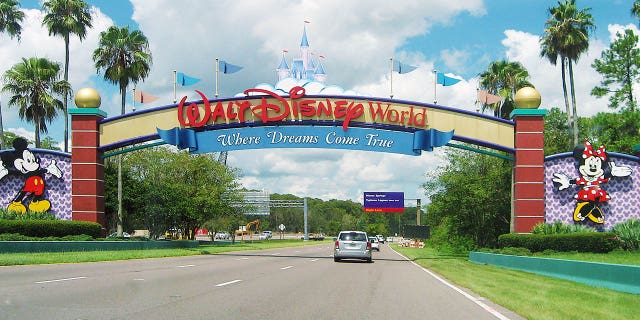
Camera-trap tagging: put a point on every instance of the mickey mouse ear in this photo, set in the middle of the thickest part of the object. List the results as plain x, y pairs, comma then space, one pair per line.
20, 144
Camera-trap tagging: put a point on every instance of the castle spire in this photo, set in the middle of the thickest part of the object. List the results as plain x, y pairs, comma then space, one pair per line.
304, 42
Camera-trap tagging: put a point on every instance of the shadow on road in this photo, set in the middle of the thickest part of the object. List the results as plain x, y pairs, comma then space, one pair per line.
302, 256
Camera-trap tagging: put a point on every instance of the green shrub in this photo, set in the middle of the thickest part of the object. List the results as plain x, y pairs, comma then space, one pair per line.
558, 228
29, 215
19, 237
515, 251
598, 242
50, 228
628, 234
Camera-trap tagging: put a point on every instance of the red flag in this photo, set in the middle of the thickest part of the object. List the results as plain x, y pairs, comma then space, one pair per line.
285, 51
323, 57
488, 98
306, 21
142, 97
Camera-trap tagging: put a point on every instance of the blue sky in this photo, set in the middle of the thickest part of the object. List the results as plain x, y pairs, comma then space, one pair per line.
459, 38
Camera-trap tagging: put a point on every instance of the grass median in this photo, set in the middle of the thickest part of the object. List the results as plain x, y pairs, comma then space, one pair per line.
9, 259
533, 296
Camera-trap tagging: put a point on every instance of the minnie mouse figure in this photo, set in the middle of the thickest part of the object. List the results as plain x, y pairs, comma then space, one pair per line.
24, 163
595, 168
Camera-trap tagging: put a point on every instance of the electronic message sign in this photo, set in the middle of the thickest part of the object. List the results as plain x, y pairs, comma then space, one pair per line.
384, 202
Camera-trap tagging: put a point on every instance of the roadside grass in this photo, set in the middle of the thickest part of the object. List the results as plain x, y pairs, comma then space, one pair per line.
529, 295
9, 259
617, 256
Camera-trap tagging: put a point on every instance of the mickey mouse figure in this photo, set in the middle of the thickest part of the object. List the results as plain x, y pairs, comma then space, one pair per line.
595, 168
23, 162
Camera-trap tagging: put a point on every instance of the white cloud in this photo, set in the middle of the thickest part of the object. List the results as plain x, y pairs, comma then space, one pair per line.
547, 78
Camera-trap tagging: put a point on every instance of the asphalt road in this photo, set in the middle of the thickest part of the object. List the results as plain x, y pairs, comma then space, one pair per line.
289, 283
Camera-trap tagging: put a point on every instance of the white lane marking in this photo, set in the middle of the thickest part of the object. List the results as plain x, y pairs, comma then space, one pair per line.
489, 309
59, 280
314, 260
186, 266
275, 254
227, 283
138, 279
245, 258
287, 267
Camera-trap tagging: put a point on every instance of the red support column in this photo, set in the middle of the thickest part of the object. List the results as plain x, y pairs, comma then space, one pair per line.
87, 166
528, 173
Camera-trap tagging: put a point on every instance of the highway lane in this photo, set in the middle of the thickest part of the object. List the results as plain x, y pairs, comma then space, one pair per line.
288, 283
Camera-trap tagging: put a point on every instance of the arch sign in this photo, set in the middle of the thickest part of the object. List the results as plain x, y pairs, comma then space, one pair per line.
263, 119
314, 123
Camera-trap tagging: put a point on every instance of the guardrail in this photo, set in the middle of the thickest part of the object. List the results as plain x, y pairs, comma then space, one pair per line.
619, 277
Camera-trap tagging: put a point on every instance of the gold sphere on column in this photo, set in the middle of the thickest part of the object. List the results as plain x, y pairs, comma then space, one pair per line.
527, 98
87, 98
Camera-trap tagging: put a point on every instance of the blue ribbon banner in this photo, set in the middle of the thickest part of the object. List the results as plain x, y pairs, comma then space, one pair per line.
321, 137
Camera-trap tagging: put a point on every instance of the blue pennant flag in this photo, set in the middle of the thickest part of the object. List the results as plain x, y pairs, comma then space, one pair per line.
428, 139
185, 80
446, 81
402, 68
227, 68
181, 138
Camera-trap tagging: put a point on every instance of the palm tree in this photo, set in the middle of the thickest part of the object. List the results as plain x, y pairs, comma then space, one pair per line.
33, 83
64, 18
125, 57
635, 9
10, 19
503, 78
566, 35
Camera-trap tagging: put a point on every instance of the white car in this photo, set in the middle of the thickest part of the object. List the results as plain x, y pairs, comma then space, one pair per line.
352, 245
266, 235
375, 243
222, 235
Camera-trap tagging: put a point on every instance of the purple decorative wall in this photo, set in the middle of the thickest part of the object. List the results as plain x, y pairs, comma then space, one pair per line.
624, 192
58, 191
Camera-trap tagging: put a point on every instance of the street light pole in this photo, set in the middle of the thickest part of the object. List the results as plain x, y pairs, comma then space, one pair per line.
418, 212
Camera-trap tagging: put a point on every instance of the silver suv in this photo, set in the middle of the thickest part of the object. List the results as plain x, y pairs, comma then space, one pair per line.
352, 245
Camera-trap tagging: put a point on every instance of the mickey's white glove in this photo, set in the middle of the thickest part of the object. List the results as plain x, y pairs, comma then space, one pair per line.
53, 170
3, 170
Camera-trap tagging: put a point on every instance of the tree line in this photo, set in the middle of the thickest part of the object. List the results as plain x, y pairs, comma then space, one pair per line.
164, 189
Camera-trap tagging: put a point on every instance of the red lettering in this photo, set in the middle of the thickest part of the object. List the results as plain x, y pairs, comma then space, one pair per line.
218, 112
242, 108
322, 109
192, 115
262, 110
193, 112
307, 107
297, 92
340, 109
352, 113
378, 113
231, 115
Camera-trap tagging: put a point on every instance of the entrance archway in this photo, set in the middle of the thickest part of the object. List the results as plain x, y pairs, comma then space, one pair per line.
264, 119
